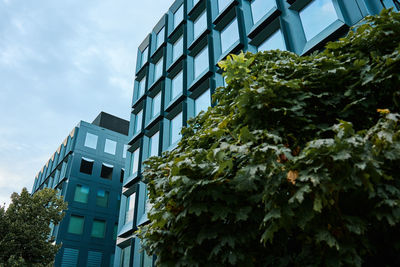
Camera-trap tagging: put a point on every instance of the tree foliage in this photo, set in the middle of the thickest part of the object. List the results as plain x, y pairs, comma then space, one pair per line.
297, 164
25, 228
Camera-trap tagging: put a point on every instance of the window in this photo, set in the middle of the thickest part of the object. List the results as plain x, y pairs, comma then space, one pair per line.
102, 198
156, 105
135, 161
144, 55
177, 48
138, 121
86, 166
129, 208
316, 16
160, 38
106, 171
110, 146
391, 3
261, 7
229, 35
121, 178
223, 3
76, 225
175, 129
98, 228
177, 85
145, 260
141, 87
202, 102
125, 257
124, 151
178, 16
158, 69
275, 41
91, 140
153, 145
201, 62
81, 193
199, 25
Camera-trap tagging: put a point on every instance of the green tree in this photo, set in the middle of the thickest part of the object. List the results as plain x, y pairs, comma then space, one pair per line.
25, 228
297, 164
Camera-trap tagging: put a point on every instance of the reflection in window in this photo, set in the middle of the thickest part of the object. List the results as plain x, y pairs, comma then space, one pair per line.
98, 228
177, 85
81, 193
110, 146
129, 208
202, 102
229, 35
125, 257
275, 41
138, 121
160, 38
135, 161
156, 105
153, 145
201, 62
395, 4
178, 16
143, 58
102, 198
158, 68
261, 7
86, 165
316, 16
91, 140
175, 128
177, 48
106, 171
141, 87
76, 225
199, 25
145, 260
222, 4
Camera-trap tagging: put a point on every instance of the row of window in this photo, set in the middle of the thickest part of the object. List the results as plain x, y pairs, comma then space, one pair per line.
94, 258
76, 226
144, 260
110, 146
106, 172
82, 192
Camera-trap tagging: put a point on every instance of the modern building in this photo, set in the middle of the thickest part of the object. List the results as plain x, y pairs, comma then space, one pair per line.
87, 169
177, 73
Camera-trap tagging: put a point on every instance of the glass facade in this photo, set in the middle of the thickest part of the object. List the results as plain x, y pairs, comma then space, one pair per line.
153, 144
125, 257
160, 37
91, 140
81, 193
201, 62
156, 105
135, 161
178, 16
223, 4
175, 128
202, 102
141, 87
129, 208
158, 69
138, 121
177, 85
275, 41
144, 56
229, 35
259, 8
177, 48
200, 25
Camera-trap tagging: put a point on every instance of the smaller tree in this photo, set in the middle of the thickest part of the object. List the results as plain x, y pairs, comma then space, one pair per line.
25, 228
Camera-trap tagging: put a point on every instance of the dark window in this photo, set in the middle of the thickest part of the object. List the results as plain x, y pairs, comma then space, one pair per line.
86, 166
106, 171
121, 179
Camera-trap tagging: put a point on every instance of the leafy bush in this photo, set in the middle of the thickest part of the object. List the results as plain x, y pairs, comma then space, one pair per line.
297, 164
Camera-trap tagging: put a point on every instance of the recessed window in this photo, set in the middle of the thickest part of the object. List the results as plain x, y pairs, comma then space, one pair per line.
106, 171
110, 146
261, 7
141, 87
121, 178
177, 85
91, 140
177, 48
153, 144
156, 105
102, 198
199, 25
135, 161
81, 193
160, 37
138, 121
202, 102
316, 16
129, 208
76, 225
86, 166
222, 4
125, 257
201, 63
229, 35
275, 41
178, 16
175, 128
124, 151
145, 260
395, 4
98, 228
143, 58
158, 68
195, 2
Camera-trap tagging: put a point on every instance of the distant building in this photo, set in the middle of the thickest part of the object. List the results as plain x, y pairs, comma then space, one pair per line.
177, 73
87, 169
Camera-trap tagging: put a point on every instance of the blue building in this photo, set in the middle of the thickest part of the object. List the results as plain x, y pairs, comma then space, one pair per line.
87, 169
177, 73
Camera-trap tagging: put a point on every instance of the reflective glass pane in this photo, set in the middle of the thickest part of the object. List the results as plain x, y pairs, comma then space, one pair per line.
156, 105
110, 146
177, 85
175, 128
141, 87
124, 151
135, 161
144, 56
81, 194
129, 208
261, 7
199, 25
125, 257
177, 48
138, 121
98, 229
102, 198
275, 41
158, 68
202, 102
201, 62
316, 16
154, 141
195, 2
160, 37
91, 140
145, 260
178, 16
229, 35
222, 4
390, 4
76, 225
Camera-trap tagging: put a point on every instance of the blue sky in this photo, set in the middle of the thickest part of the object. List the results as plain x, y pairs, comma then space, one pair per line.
62, 62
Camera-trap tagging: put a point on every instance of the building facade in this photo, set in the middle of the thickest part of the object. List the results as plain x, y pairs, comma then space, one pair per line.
177, 73
87, 169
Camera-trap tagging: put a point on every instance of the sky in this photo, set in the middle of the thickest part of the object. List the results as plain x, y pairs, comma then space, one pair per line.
62, 62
